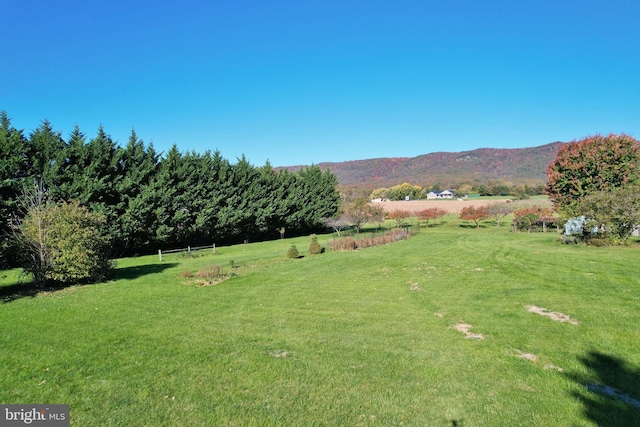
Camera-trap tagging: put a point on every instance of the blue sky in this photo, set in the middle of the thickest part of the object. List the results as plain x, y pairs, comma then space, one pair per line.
301, 82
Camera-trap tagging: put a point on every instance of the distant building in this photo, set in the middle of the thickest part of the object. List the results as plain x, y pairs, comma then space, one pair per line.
446, 194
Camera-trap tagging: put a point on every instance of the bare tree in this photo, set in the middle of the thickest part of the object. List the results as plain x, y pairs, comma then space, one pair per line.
499, 211
32, 234
338, 224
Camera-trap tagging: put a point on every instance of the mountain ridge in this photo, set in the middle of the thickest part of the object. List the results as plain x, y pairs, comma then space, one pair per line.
513, 166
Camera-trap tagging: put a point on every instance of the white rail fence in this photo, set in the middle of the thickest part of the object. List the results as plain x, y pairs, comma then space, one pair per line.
188, 250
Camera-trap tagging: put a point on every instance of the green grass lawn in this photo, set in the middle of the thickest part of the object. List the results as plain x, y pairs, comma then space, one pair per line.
350, 338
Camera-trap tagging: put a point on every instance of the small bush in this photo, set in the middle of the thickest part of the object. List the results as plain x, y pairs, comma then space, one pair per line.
599, 242
211, 273
569, 240
293, 252
314, 246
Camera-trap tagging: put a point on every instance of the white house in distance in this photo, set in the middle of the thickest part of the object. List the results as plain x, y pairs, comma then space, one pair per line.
446, 194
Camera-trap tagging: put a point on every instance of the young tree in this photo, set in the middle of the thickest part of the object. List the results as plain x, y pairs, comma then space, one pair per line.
597, 163
32, 237
338, 223
359, 212
431, 214
499, 211
532, 217
475, 214
400, 216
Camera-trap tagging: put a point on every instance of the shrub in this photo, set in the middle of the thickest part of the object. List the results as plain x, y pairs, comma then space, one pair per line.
314, 246
533, 218
211, 273
293, 252
350, 244
65, 243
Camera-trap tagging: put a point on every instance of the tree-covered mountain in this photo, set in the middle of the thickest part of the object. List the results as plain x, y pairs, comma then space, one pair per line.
515, 166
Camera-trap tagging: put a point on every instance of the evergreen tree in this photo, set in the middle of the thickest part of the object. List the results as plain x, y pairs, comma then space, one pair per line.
136, 220
64, 182
13, 170
99, 180
166, 189
43, 147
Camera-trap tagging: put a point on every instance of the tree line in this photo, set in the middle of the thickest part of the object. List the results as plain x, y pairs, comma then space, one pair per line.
490, 188
152, 200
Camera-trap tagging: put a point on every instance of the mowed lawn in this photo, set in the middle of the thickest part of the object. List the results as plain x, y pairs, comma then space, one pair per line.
431, 331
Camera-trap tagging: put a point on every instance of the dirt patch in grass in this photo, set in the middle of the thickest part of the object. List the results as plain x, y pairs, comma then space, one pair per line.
280, 354
414, 287
466, 330
527, 356
553, 315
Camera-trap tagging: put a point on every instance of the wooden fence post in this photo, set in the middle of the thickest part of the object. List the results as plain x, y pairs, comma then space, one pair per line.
160, 254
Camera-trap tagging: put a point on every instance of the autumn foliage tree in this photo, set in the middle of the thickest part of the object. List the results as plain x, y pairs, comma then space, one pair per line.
361, 211
596, 163
400, 216
475, 214
431, 214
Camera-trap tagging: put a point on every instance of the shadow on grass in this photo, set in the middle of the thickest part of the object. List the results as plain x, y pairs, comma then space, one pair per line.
610, 390
25, 289
133, 272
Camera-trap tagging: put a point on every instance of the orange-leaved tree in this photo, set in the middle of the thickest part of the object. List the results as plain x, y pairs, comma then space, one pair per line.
400, 216
431, 214
475, 214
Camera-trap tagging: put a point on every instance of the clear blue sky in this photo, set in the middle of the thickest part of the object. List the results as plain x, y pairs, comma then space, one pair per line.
301, 82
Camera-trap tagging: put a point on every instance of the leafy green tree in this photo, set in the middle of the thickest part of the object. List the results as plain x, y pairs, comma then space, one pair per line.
597, 163
615, 214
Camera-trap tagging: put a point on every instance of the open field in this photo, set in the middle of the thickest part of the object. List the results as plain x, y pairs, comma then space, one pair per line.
455, 326
454, 206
